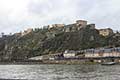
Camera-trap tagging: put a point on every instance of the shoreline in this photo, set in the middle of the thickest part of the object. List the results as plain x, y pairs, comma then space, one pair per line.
71, 62
37, 62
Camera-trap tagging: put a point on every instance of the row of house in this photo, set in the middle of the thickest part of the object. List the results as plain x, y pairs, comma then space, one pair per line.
94, 53
88, 53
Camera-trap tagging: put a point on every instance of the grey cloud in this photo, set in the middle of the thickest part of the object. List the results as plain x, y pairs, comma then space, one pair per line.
104, 13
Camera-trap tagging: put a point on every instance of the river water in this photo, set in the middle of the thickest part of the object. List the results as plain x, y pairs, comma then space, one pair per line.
60, 72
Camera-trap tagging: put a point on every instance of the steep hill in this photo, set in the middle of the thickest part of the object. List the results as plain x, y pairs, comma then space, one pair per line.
48, 41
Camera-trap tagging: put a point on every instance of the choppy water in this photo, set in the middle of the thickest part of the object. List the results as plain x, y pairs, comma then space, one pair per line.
60, 72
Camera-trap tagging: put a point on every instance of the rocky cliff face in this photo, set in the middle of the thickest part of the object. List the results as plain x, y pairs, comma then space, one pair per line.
82, 39
47, 41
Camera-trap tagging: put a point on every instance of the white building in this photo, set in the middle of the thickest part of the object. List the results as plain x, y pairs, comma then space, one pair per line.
69, 54
36, 58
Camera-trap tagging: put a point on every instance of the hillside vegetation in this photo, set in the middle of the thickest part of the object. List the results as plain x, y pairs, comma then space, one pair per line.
49, 41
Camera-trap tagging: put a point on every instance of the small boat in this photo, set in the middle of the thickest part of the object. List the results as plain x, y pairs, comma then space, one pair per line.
108, 63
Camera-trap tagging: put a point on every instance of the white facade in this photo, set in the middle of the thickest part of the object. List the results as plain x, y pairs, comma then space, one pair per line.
51, 58
106, 55
36, 58
109, 54
96, 55
92, 55
69, 55
89, 54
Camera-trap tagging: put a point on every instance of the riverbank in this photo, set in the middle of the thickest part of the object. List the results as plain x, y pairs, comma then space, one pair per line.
68, 62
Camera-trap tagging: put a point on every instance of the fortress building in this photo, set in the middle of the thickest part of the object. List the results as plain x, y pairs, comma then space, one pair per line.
81, 22
105, 32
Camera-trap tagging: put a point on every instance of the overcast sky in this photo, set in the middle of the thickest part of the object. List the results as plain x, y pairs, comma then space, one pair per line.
17, 15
